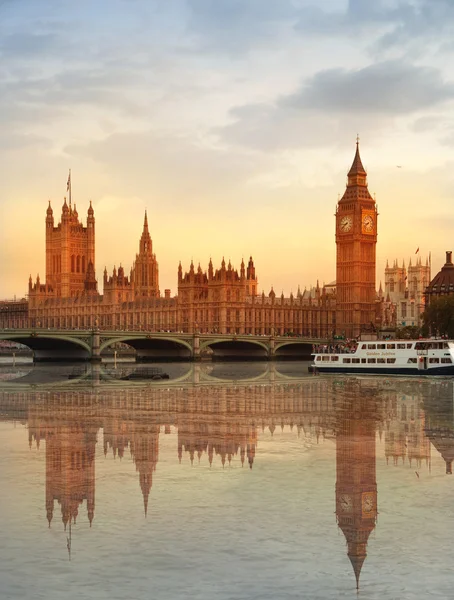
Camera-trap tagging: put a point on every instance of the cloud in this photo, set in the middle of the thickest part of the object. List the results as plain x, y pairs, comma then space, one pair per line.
26, 45
335, 102
390, 87
180, 171
236, 26
388, 24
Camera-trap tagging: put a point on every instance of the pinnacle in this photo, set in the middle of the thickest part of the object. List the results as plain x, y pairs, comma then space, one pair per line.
357, 166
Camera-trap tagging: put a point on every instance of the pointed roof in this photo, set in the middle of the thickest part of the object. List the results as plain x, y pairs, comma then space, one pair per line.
145, 222
357, 166
357, 563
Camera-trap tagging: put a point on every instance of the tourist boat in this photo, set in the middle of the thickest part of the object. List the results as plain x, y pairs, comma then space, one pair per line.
387, 357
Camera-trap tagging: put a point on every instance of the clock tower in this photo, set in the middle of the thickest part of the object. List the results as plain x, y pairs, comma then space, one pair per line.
356, 239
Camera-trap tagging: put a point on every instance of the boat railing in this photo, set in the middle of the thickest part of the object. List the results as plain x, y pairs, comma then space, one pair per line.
334, 349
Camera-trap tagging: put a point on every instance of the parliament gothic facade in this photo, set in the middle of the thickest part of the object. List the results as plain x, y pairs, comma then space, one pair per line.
220, 300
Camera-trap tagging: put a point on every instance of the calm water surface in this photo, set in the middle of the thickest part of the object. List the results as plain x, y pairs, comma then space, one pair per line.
228, 481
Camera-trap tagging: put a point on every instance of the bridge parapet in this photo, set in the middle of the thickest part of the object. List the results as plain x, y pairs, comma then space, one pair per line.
74, 345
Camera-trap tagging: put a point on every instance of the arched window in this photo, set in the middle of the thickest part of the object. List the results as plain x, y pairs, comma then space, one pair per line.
83, 264
73, 263
78, 264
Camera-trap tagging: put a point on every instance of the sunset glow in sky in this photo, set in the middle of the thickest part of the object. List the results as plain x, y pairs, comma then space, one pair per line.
233, 122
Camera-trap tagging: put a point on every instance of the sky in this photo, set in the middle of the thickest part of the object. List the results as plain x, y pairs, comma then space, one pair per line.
232, 122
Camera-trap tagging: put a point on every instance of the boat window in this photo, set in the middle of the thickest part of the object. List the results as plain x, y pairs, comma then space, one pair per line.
319, 358
381, 346
372, 346
446, 361
363, 347
400, 346
445, 345
334, 358
411, 360
381, 360
391, 346
409, 346
325, 358
371, 360
347, 360
355, 360
390, 361
434, 360
363, 360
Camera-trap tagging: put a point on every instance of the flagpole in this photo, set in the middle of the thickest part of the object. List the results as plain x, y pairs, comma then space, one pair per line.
69, 181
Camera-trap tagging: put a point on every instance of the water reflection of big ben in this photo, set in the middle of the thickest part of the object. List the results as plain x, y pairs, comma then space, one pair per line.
70, 471
356, 486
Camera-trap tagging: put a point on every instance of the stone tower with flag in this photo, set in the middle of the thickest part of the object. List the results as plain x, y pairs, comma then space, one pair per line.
70, 254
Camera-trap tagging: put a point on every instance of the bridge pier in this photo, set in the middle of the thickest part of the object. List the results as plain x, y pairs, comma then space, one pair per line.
196, 348
95, 351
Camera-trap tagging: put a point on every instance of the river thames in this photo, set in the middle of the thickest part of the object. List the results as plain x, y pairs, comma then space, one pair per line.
227, 481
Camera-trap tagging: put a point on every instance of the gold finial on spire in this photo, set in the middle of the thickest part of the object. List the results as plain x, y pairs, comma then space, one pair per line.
357, 139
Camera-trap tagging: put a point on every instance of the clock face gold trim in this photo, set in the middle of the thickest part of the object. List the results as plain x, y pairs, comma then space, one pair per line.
368, 224
367, 503
345, 224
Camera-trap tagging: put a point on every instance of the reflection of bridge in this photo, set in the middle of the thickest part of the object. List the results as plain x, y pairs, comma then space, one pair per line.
98, 375
71, 345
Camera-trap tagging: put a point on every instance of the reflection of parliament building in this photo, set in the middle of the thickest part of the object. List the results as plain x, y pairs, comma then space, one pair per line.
220, 424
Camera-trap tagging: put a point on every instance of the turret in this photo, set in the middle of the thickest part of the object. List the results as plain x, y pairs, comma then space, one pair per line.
65, 211
210, 269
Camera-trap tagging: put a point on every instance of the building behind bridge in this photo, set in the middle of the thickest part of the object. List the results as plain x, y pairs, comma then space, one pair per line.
222, 300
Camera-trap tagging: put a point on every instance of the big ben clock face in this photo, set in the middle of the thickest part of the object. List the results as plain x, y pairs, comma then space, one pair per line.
368, 224
368, 503
345, 503
346, 224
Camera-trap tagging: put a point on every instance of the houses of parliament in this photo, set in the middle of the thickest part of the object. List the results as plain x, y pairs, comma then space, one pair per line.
221, 299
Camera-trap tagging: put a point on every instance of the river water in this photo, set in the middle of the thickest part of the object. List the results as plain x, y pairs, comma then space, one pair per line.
227, 481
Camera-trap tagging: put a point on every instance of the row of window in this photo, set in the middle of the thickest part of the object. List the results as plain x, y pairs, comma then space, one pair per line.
369, 360
357, 361
400, 346
388, 361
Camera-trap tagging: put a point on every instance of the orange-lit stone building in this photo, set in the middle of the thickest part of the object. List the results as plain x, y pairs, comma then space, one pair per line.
356, 239
221, 300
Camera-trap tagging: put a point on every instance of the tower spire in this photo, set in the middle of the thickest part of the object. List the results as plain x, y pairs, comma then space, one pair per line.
357, 174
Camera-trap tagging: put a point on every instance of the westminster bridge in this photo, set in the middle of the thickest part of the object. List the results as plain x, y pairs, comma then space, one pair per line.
89, 345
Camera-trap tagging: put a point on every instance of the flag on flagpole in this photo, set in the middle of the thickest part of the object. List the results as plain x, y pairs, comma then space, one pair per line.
417, 250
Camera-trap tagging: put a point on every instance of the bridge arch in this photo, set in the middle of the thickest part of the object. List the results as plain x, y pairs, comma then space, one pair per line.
48, 347
292, 348
152, 348
236, 348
